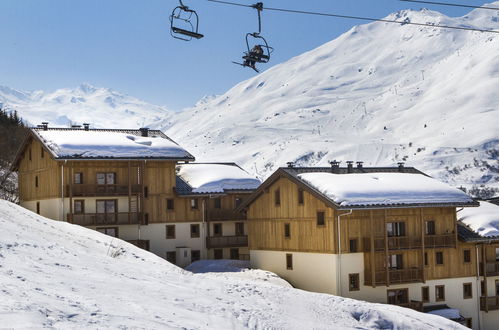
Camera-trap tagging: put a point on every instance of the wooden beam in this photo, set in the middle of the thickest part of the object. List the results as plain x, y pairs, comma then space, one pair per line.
373, 252
386, 250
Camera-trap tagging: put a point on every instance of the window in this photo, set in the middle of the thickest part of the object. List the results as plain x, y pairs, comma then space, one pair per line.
195, 255
439, 258
36, 181
398, 296
170, 204
467, 256
497, 254
425, 294
110, 231
467, 291
29, 153
469, 322
146, 192
106, 206
482, 288
440, 292
37, 207
42, 152
320, 219
171, 256
353, 282
194, 204
353, 245
170, 231
217, 229
238, 201
146, 219
239, 229
234, 254
497, 288
395, 229
217, 203
426, 258
430, 227
287, 230
289, 261
300, 196
277, 197
395, 261
79, 207
194, 231
78, 178
106, 178
218, 254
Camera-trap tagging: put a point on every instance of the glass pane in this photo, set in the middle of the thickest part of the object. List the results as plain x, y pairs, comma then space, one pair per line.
389, 229
497, 254
111, 232
110, 207
78, 178
101, 178
110, 178
78, 207
101, 207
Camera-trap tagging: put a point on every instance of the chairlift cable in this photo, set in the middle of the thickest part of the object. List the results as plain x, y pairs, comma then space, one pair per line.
360, 17
451, 4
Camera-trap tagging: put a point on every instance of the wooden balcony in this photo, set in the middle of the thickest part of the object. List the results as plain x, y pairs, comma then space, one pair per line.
88, 190
143, 244
226, 241
410, 242
489, 303
101, 219
224, 215
413, 304
396, 276
491, 268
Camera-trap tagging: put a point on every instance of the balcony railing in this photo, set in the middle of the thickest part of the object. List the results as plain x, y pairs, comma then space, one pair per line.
226, 241
489, 303
396, 276
492, 268
99, 219
410, 242
224, 215
143, 244
83, 190
413, 304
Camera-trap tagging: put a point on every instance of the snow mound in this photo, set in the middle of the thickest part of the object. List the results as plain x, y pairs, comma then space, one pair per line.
58, 275
484, 220
384, 189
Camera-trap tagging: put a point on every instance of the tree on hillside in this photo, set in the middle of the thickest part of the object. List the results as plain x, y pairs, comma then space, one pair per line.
12, 132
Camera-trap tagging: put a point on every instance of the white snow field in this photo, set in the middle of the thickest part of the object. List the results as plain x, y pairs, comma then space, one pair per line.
62, 276
483, 220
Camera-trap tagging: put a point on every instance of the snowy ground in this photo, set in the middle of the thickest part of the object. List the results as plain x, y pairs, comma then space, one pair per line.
58, 275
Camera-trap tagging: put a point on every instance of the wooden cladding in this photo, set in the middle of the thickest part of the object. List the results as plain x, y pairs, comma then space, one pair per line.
226, 241
98, 219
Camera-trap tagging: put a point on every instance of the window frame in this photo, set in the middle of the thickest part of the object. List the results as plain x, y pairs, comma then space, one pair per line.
105, 229
396, 297
216, 252
196, 233
356, 245
167, 234
106, 177
287, 230
277, 197
194, 204
234, 251
239, 228
354, 282
467, 256
301, 196
217, 203
193, 253
437, 288
465, 286
430, 230
289, 261
170, 204
218, 225
437, 261
82, 204
398, 229
396, 263
168, 257
78, 175
425, 294
321, 219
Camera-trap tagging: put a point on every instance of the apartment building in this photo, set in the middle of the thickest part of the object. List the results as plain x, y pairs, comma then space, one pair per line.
384, 235
137, 185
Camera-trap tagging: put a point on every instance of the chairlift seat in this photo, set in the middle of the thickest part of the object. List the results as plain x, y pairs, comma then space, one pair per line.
187, 32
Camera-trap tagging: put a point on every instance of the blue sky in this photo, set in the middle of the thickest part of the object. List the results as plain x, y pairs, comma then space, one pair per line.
125, 44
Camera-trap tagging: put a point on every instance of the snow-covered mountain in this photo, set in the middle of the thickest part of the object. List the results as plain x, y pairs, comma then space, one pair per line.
380, 93
57, 275
101, 107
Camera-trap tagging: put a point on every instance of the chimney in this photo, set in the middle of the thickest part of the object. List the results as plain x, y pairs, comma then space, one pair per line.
401, 166
144, 131
349, 166
86, 126
290, 164
335, 166
360, 165
45, 125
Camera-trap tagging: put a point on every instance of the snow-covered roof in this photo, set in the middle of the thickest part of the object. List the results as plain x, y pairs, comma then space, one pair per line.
383, 189
210, 178
483, 220
67, 143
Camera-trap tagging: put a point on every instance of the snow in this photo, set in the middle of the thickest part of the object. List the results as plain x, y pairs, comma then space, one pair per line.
216, 178
484, 220
58, 275
101, 144
383, 188
448, 313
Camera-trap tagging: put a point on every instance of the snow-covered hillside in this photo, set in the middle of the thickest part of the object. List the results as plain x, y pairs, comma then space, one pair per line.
381, 93
101, 107
58, 275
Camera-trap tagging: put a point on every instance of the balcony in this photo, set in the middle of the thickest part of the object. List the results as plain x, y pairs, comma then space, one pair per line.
413, 304
100, 219
410, 242
88, 190
224, 215
226, 241
491, 268
396, 276
143, 244
489, 303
